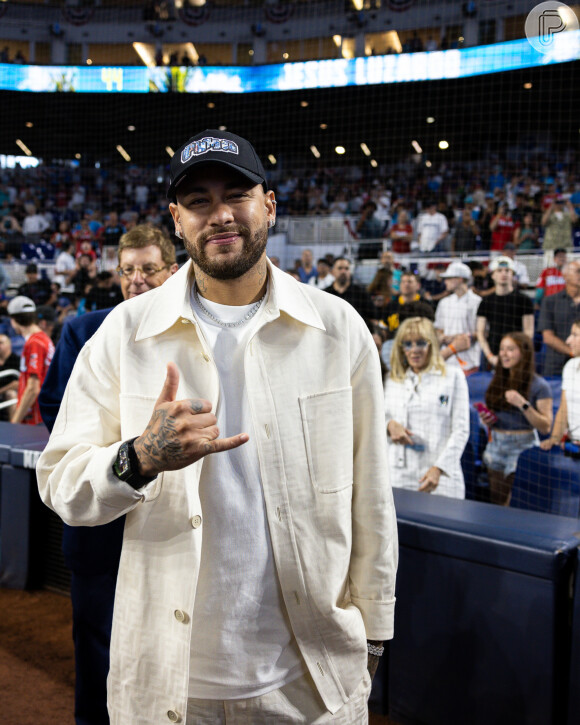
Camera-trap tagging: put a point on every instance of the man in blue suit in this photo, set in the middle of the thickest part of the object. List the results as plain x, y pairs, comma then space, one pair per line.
146, 259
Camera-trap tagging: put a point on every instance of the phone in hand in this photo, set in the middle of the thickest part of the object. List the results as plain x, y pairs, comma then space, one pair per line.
484, 410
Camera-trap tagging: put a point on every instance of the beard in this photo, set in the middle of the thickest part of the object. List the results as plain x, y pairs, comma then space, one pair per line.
223, 266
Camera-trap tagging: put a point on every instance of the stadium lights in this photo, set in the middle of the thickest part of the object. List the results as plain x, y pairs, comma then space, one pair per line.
170, 151
304, 104
374, 163
130, 128
428, 164
123, 153
358, 4
443, 144
222, 128
340, 150
29, 124
430, 119
337, 40
416, 146
365, 149
324, 126
145, 53
77, 156
89, 61
24, 147
272, 159
211, 104
527, 86
315, 152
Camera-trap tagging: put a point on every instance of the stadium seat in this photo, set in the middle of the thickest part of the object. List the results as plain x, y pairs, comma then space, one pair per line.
478, 384
547, 481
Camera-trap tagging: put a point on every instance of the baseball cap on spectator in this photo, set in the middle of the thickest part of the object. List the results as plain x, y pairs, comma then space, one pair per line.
501, 263
457, 269
510, 245
211, 146
46, 312
19, 304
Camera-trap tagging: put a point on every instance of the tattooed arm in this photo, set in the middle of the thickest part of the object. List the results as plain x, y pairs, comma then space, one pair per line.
180, 432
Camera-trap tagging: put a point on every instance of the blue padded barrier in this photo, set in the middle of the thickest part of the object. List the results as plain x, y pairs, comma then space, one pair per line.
481, 627
547, 481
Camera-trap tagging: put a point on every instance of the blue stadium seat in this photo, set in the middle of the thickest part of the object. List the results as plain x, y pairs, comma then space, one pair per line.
547, 481
476, 488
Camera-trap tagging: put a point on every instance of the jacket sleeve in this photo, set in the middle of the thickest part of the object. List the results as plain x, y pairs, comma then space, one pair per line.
74, 472
450, 456
374, 555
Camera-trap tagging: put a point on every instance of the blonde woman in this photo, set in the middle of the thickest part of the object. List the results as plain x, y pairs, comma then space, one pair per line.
427, 413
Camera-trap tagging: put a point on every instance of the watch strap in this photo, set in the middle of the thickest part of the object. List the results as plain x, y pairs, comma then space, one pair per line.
126, 466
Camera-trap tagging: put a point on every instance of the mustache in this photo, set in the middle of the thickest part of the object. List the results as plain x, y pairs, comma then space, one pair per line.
243, 231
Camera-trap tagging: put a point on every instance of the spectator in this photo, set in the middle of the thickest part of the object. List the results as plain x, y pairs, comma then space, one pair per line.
8, 383
85, 275
519, 404
323, 277
65, 267
36, 356
381, 289
36, 287
63, 236
503, 311
306, 270
354, 294
567, 423
434, 288
465, 234
551, 279
4, 279
455, 320
557, 314
104, 293
557, 220
427, 413
401, 234
432, 228
502, 228
526, 234
484, 223
483, 284
409, 303
368, 226
34, 224
521, 276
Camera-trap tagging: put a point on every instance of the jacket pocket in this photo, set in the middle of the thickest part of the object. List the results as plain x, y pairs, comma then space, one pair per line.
328, 437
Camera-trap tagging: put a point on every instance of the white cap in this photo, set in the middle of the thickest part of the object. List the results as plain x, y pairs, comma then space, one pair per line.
457, 269
504, 262
20, 303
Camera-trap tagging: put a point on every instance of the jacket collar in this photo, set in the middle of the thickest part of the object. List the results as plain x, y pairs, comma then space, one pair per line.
172, 302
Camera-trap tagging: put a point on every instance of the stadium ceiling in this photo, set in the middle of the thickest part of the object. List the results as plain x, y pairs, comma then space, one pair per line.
474, 114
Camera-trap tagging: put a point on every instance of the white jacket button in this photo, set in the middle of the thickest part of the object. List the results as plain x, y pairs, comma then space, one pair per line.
173, 716
196, 522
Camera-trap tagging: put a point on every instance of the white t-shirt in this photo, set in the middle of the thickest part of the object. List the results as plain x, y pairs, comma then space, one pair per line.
65, 262
458, 315
571, 386
242, 644
429, 228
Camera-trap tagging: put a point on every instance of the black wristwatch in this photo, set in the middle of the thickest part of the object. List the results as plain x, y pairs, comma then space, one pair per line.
126, 466
525, 406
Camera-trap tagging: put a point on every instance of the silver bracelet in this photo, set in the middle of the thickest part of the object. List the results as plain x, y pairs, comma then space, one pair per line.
374, 650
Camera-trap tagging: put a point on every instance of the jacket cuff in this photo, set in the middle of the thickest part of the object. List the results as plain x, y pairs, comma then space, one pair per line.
378, 617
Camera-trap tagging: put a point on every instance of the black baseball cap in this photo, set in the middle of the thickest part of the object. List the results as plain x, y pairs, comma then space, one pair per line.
212, 146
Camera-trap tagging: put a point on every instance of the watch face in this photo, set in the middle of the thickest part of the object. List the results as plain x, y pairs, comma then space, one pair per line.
122, 465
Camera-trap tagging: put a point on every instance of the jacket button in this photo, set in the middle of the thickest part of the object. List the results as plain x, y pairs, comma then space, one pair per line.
181, 616
196, 522
173, 716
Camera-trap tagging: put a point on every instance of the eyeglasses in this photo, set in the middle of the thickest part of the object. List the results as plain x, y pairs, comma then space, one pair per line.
147, 271
420, 344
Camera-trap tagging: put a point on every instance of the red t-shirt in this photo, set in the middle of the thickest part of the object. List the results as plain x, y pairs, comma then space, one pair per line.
551, 281
401, 246
35, 360
503, 233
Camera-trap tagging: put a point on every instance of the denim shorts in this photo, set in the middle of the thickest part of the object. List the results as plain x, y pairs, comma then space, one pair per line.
503, 449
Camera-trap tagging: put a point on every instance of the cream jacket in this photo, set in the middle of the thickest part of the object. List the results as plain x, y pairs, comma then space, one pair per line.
435, 408
315, 392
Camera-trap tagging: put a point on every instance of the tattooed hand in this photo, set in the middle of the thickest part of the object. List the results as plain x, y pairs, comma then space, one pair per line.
180, 432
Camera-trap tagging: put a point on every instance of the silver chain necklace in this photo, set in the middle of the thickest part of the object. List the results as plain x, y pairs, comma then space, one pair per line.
248, 316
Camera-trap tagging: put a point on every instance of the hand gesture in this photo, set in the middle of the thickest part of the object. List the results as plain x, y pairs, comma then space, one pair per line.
430, 480
399, 434
461, 342
514, 398
180, 432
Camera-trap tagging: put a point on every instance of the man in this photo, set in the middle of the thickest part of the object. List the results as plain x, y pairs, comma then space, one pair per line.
306, 271
146, 259
455, 320
36, 356
409, 303
502, 228
9, 381
558, 221
521, 276
262, 619
323, 277
354, 294
557, 314
432, 228
104, 293
36, 288
551, 280
506, 310
65, 267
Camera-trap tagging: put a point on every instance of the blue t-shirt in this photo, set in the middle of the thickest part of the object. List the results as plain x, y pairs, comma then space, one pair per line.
514, 419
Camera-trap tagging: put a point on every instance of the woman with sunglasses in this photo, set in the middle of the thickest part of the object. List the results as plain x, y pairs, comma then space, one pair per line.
427, 413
